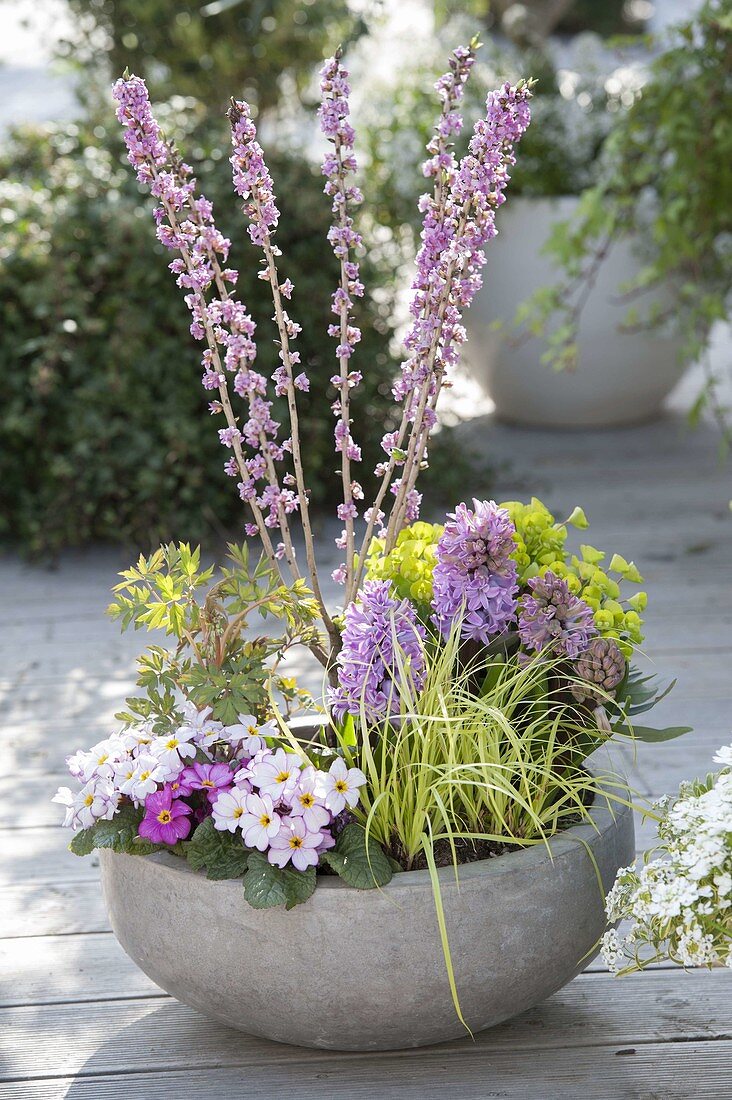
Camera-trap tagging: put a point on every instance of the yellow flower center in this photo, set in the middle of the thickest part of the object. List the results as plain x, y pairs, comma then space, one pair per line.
341, 786
283, 777
265, 820
88, 800
238, 811
307, 799
173, 743
252, 729
207, 783
103, 759
164, 817
296, 842
144, 775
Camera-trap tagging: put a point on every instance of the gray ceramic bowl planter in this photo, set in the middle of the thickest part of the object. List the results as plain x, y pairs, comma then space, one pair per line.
364, 970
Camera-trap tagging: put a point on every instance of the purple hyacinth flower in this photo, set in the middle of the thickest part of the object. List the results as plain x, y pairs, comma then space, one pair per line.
474, 578
553, 618
381, 634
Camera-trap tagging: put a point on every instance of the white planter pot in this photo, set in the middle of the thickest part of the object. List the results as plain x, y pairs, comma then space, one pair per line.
364, 970
622, 378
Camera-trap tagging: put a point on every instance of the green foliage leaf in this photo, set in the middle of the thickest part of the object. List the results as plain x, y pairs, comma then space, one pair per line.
82, 842
118, 834
222, 854
360, 866
650, 735
266, 886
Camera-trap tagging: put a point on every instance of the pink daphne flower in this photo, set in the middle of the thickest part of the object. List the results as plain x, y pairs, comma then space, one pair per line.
166, 819
210, 778
338, 787
260, 824
294, 844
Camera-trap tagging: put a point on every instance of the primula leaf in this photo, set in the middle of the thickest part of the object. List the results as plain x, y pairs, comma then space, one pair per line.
360, 867
222, 854
299, 885
119, 834
82, 843
266, 886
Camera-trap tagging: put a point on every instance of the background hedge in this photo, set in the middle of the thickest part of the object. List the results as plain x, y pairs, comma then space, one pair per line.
105, 433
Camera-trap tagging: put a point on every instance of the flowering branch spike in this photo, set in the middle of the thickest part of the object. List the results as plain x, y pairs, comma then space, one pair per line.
253, 182
338, 165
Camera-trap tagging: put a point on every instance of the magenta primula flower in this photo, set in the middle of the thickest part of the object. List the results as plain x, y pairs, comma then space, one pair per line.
551, 617
166, 819
210, 778
475, 578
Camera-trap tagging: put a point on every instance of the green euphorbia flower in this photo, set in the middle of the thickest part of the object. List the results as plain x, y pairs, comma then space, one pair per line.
409, 565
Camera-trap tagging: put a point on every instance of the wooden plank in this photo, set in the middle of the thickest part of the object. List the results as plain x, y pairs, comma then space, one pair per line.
663, 1071
41, 855
53, 969
52, 909
593, 1011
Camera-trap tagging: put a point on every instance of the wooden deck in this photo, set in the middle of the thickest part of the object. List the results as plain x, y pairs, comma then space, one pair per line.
78, 1020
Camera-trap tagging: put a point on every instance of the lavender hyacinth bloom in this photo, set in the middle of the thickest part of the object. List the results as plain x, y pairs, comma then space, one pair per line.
474, 576
552, 617
381, 633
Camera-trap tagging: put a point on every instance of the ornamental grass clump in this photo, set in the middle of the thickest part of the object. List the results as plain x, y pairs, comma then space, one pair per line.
473, 666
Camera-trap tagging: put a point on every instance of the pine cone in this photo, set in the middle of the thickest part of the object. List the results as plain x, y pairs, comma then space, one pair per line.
603, 665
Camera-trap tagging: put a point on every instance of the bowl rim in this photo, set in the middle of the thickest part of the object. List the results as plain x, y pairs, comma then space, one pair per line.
610, 806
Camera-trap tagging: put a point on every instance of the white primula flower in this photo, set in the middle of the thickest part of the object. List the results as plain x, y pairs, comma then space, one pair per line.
229, 809
248, 734
147, 773
260, 823
198, 725
172, 750
99, 761
96, 801
275, 773
338, 787
137, 738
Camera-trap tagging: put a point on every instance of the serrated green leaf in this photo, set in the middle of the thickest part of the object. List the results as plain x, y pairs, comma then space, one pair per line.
82, 843
119, 834
222, 854
359, 866
299, 885
266, 886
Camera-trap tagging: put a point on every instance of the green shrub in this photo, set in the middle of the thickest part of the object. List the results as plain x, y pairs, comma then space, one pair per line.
208, 50
103, 422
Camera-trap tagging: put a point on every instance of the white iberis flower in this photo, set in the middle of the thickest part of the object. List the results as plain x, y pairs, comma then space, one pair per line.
680, 905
